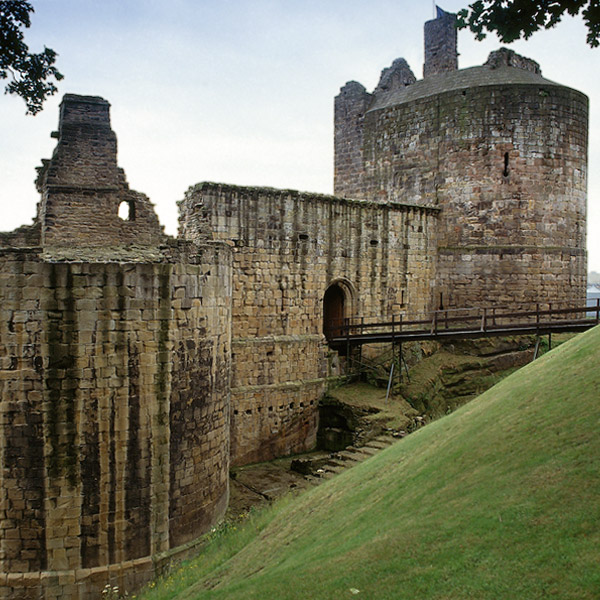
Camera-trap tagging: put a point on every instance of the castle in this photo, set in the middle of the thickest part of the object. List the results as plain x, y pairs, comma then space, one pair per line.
136, 368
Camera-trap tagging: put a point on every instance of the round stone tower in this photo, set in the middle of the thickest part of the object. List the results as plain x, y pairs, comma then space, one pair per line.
501, 150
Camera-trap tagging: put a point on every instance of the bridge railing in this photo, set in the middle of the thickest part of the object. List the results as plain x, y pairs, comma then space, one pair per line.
471, 320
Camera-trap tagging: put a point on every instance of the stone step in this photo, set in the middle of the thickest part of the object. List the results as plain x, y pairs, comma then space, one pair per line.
351, 456
313, 479
380, 442
367, 451
327, 474
329, 468
348, 456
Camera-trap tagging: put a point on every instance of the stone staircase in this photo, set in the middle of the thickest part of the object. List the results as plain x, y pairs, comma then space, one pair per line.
344, 459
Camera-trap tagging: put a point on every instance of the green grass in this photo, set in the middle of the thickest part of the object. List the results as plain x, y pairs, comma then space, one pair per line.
395, 412
500, 499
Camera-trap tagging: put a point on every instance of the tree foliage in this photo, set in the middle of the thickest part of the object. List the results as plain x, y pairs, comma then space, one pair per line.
31, 76
511, 19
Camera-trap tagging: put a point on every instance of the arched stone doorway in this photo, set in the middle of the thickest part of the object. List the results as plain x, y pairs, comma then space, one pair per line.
337, 306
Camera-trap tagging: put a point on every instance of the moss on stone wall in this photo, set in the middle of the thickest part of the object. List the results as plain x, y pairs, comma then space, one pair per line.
60, 377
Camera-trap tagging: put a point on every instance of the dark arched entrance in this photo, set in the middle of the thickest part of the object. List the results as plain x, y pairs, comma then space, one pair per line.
333, 311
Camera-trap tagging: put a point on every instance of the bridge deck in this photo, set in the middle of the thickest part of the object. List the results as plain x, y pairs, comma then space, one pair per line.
465, 323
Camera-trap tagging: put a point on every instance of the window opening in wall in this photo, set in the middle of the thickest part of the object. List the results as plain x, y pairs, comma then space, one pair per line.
505, 172
126, 211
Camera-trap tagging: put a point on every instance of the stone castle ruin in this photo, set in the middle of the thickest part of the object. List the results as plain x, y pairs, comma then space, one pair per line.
136, 368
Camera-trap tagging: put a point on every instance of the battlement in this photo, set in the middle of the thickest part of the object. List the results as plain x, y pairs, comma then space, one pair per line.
398, 76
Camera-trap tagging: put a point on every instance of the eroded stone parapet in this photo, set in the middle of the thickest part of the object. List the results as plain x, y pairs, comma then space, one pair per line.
85, 198
395, 77
509, 58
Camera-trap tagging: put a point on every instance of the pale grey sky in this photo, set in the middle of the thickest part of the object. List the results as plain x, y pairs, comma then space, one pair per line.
241, 91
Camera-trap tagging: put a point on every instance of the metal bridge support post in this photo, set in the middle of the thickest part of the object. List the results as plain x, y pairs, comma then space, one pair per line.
389, 387
348, 358
403, 362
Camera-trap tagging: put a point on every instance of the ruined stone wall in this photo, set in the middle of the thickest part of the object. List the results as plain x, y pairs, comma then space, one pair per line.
441, 54
26, 236
288, 248
506, 163
114, 428
115, 362
351, 105
82, 186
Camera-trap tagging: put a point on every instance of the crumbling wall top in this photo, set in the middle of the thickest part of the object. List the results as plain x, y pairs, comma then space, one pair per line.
86, 201
397, 76
84, 110
441, 53
509, 58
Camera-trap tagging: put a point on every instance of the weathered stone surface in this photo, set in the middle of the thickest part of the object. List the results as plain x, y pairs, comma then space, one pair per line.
500, 150
114, 381
289, 249
441, 54
134, 368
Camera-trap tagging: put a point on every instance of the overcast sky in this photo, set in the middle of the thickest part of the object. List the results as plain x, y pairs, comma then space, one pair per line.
241, 91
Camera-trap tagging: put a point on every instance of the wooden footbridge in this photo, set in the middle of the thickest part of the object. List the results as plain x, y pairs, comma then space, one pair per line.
462, 323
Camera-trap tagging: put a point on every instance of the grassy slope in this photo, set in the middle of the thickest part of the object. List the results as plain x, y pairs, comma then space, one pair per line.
500, 499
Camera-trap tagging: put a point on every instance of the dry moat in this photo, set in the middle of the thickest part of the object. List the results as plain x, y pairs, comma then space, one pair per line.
359, 418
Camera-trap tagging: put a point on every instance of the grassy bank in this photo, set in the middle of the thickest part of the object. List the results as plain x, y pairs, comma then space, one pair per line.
497, 500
